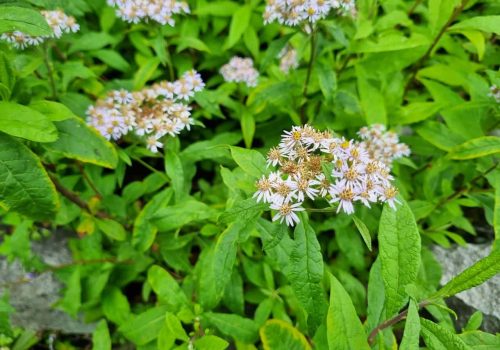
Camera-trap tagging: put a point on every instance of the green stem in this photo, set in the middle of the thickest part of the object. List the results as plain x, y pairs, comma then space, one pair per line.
427, 54
321, 210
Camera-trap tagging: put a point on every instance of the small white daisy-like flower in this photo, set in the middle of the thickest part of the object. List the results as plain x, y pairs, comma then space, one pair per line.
288, 59
287, 212
161, 11
240, 70
495, 93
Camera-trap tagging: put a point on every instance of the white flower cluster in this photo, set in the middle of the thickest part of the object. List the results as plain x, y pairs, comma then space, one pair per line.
58, 21
316, 165
383, 145
288, 59
240, 70
495, 93
152, 113
161, 11
294, 12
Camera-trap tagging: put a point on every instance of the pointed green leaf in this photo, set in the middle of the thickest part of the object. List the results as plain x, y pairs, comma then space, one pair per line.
145, 327
399, 242
437, 337
239, 24
475, 148
101, 339
79, 141
234, 326
21, 121
251, 161
473, 276
411, 334
306, 272
24, 184
363, 230
166, 287
26, 20
280, 335
344, 328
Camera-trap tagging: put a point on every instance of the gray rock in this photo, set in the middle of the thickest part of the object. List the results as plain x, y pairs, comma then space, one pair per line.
33, 297
485, 297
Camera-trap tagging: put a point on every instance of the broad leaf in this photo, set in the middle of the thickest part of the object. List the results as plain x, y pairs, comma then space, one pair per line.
166, 287
26, 20
145, 327
306, 272
251, 161
21, 121
399, 242
101, 339
437, 337
475, 148
234, 326
280, 335
344, 328
24, 184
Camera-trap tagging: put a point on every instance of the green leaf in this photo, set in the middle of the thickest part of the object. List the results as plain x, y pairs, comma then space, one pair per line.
166, 287
90, 41
280, 335
112, 59
306, 272
411, 334
144, 232
79, 141
344, 329
399, 244
474, 322
244, 211
24, 184
176, 216
26, 20
393, 42
192, 42
239, 24
112, 229
247, 127
218, 269
251, 161
327, 79
144, 327
439, 135
473, 276
372, 100
101, 339
72, 299
363, 230
115, 306
21, 121
218, 8
437, 337
54, 111
475, 148
496, 209
210, 342
145, 72
489, 24
175, 171
234, 326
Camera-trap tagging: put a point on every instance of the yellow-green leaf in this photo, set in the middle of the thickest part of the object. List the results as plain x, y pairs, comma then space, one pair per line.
280, 335
475, 148
21, 121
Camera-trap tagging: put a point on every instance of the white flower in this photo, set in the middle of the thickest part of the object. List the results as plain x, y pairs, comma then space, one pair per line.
495, 93
161, 11
153, 144
240, 70
264, 190
344, 194
286, 212
288, 59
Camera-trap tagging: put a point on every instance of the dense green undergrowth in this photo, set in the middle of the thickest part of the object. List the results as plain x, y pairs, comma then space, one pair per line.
171, 248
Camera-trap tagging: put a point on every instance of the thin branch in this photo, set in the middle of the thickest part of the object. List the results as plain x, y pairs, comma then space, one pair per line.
462, 190
391, 322
414, 7
73, 197
88, 180
427, 54
308, 76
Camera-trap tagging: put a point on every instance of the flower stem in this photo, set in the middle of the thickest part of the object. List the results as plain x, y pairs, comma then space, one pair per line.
321, 210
